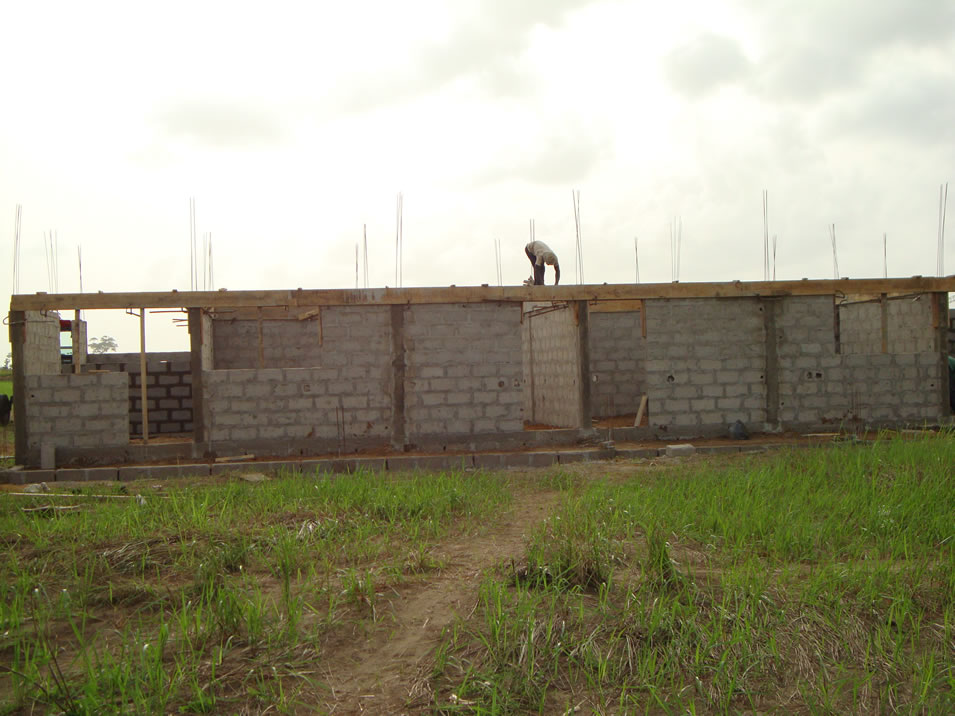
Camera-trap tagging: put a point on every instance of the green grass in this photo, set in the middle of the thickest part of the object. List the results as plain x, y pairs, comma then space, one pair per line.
213, 599
809, 581
6, 386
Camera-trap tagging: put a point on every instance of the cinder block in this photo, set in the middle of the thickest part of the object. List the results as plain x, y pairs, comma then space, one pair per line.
88, 474
158, 472
269, 467
429, 462
717, 449
635, 453
26, 477
569, 456
680, 450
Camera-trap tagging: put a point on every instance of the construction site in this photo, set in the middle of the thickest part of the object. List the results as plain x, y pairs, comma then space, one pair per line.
475, 376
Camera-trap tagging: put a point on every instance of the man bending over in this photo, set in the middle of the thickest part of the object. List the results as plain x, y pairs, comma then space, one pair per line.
540, 254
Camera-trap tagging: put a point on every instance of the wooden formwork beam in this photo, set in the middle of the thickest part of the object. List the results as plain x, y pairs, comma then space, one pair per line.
312, 298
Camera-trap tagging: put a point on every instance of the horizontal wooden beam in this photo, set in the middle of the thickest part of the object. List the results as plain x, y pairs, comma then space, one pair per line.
473, 294
615, 306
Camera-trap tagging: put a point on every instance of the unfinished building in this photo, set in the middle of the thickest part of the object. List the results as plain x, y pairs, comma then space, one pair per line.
320, 372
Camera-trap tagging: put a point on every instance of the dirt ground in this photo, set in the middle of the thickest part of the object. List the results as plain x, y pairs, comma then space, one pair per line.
384, 670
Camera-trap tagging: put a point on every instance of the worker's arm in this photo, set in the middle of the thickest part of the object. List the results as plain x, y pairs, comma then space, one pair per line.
556, 274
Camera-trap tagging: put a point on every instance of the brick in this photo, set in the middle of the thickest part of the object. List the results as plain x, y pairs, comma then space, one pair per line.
87, 474
680, 450
637, 453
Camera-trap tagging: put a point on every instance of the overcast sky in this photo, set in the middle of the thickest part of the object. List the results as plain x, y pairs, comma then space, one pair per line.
293, 125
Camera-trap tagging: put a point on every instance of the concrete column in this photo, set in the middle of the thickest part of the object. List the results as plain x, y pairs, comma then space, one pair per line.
941, 325
197, 339
18, 335
78, 336
582, 314
398, 365
771, 369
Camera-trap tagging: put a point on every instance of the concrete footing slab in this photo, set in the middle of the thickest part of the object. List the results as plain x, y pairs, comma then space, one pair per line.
408, 463
341, 465
87, 474
272, 466
27, 477
162, 472
503, 460
568, 456
636, 453
405, 463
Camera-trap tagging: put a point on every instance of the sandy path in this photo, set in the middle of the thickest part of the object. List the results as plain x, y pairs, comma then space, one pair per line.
381, 671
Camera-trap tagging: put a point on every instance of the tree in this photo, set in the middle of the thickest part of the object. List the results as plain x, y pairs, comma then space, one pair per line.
6, 362
105, 344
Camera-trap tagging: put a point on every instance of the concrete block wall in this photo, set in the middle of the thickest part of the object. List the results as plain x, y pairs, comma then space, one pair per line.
551, 366
77, 411
463, 369
41, 346
812, 376
819, 386
340, 337
168, 389
706, 362
297, 403
617, 362
860, 326
890, 388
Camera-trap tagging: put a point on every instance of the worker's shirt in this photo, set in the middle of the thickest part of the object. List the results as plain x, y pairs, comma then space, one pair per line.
542, 252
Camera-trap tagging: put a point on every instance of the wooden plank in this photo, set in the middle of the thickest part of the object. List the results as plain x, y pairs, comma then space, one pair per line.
616, 306
640, 411
475, 294
75, 340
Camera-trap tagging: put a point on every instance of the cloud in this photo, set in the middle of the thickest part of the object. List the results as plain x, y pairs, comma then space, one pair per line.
563, 157
222, 124
915, 107
705, 64
485, 47
815, 48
